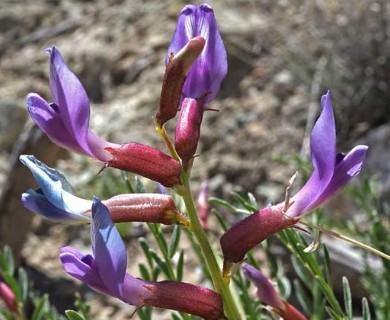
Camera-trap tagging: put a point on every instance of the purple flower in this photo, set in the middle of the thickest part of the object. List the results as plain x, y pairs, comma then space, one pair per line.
105, 269
55, 200
105, 272
208, 71
269, 296
66, 123
332, 171
66, 119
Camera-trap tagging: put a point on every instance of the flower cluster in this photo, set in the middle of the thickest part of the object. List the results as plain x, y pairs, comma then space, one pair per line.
196, 64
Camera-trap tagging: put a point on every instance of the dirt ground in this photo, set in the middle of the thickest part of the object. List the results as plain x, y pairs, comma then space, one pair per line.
282, 56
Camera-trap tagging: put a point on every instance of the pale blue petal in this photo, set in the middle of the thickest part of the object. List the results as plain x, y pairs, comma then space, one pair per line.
55, 186
37, 202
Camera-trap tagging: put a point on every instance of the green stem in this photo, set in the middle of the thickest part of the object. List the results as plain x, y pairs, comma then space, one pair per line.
220, 285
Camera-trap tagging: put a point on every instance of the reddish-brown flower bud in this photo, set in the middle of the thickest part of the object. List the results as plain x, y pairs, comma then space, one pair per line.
174, 77
147, 162
203, 204
7, 295
188, 128
144, 207
185, 297
290, 312
249, 232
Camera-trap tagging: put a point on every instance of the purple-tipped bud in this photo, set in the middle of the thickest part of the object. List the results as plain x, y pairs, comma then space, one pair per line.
265, 290
269, 296
203, 204
7, 295
188, 129
249, 232
147, 162
144, 207
186, 297
175, 74
208, 71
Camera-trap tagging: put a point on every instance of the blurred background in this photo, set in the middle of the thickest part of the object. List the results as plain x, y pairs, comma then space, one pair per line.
283, 55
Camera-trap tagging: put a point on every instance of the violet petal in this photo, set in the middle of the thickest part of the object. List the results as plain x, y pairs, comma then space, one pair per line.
75, 264
208, 71
345, 170
265, 290
51, 122
108, 248
323, 150
69, 95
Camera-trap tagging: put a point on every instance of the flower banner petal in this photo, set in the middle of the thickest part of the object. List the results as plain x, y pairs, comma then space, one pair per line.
69, 95
323, 151
108, 248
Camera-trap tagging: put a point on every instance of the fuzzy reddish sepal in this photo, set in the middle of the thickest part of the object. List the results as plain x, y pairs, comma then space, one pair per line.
186, 297
249, 232
147, 162
174, 78
188, 128
291, 313
143, 207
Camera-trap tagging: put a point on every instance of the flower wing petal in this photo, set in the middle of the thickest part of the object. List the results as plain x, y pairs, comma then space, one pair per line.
46, 116
55, 186
82, 268
349, 167
38, 203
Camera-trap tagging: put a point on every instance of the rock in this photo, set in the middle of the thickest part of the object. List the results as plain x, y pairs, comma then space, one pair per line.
283, 84
377, 161
12, 120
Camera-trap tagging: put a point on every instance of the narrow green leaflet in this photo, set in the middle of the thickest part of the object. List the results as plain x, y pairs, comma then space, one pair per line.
180, 267
347, 298
175, 240
366, 310
73, 315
